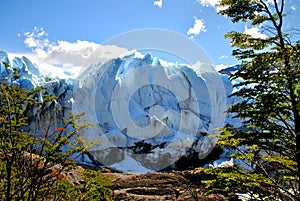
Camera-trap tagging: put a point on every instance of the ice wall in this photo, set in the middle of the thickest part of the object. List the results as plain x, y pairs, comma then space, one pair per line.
150, 114
147, 115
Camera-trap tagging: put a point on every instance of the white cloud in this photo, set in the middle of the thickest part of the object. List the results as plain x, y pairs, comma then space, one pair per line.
293, 8
212, 3
221, 8
223, 57
254, 32
208, 3
198, 27
158, 3
37, 38
68, 56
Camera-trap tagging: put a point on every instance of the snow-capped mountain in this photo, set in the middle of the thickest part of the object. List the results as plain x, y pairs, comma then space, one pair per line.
148, 116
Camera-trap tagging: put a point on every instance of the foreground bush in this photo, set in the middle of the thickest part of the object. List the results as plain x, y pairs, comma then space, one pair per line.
36, 167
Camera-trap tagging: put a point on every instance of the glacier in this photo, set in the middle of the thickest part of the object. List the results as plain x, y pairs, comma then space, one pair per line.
147, 115
43, 117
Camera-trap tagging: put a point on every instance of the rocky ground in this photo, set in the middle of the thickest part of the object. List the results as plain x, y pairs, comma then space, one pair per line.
172, 186
177, 185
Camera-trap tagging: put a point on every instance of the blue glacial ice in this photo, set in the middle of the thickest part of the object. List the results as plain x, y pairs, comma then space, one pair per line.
147, 114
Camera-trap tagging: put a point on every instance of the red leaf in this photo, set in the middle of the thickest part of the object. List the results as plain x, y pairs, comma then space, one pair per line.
59, 129
66, 162
40, 165
61, 177
54, 172
2, 119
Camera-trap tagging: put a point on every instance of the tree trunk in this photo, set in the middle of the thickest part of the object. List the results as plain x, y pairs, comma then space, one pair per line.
297, 131
8, 182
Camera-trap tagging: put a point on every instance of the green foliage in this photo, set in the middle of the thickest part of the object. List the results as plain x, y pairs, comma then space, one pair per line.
93, 186
269, 141
235, 180
33, 167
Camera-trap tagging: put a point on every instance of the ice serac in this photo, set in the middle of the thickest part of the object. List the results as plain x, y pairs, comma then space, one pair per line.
46, 116
149, 115
3, 61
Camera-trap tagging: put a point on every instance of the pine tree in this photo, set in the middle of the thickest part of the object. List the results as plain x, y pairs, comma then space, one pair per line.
269, 142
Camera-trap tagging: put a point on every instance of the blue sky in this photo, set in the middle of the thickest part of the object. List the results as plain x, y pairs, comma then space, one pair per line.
45, 29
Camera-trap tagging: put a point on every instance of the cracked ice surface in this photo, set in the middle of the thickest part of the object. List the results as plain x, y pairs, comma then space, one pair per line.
147, 115
150, 113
